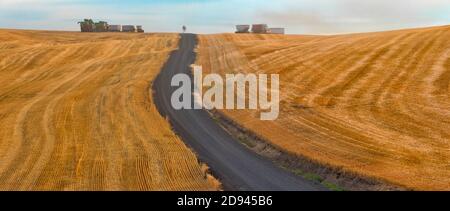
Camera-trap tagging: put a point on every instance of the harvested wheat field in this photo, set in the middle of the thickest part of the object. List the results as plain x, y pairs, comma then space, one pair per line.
77, 114
375, 104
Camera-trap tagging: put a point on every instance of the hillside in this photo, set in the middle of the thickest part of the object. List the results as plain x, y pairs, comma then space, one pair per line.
375, 104
77, 114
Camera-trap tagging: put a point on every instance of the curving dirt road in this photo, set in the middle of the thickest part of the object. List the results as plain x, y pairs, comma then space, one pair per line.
236, 166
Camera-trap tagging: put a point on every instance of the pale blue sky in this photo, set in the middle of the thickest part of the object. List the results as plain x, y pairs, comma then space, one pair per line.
215, 16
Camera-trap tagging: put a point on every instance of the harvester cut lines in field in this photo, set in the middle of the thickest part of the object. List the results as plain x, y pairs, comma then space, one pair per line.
373, 104
77, 114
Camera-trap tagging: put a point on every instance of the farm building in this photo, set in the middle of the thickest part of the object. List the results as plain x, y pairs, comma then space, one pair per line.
276, 30
139, 29
101, 26
115, 28
128, 28
260, 28
88, 25
242, 28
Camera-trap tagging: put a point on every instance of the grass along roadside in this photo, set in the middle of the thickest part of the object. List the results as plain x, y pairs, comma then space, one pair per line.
334, 179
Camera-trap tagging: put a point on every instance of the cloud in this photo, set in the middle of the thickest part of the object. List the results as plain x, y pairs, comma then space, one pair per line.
212, 16
344, 16
9, 3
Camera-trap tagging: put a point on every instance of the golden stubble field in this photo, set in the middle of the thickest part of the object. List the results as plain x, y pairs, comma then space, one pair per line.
376, 104
76, 114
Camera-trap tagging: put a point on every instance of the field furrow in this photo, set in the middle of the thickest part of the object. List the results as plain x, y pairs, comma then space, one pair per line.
77, 114
374, 104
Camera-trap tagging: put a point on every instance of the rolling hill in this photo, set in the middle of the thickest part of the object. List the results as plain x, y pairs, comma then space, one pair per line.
76, 113
374, 104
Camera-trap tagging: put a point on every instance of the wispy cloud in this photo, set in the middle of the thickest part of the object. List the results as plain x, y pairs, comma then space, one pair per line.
210, 16
343, 16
